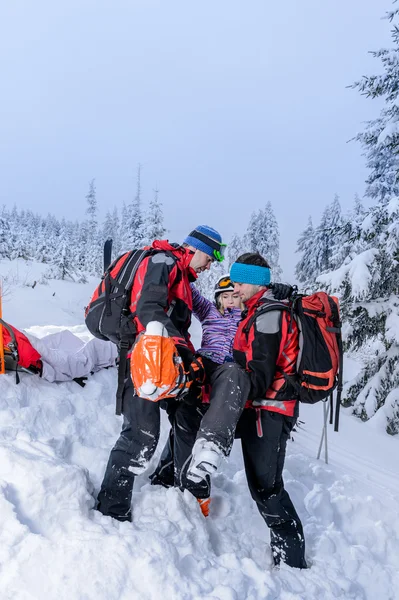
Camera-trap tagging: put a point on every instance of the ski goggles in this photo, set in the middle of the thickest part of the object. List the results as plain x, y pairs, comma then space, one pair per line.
219, 255
225, 282
217, 248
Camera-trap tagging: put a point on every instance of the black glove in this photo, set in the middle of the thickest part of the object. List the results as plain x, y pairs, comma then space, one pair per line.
80, 381
281, 291
196, 371
186, 355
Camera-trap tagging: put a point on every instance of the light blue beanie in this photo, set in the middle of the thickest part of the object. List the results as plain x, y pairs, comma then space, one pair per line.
242, 273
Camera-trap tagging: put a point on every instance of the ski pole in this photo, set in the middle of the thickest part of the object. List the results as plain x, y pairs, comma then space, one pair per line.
324, 434
2, 364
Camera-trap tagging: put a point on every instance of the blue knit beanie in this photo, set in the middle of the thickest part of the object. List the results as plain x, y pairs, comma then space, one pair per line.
204, 238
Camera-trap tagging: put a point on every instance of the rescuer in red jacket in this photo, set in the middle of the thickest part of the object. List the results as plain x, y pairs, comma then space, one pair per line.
161, 292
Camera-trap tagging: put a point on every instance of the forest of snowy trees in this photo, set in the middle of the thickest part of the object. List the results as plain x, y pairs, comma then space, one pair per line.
356, 255
353, 254
73, 250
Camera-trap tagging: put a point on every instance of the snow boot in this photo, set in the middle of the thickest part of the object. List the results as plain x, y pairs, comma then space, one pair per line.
204, 504
206, 459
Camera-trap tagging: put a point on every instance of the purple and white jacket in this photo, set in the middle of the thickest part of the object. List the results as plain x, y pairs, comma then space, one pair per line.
218, 331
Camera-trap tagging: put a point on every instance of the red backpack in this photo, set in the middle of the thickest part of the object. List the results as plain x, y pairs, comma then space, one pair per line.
319, 364
108, 315
19, 354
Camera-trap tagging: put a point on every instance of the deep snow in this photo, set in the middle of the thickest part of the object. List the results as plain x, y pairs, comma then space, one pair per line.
54, 443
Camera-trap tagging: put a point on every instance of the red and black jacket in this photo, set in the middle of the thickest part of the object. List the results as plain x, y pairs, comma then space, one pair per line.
267, 347
161, 292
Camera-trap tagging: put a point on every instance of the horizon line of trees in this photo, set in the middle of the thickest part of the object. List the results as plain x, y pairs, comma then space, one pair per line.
73, 249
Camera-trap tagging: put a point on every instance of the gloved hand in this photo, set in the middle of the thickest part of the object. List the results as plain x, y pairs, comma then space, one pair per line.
80, 381
196, 371
281, 291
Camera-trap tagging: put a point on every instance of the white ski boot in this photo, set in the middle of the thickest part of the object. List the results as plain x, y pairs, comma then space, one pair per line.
206, 459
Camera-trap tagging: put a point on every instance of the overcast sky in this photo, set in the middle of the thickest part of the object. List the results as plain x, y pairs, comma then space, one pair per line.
226, 104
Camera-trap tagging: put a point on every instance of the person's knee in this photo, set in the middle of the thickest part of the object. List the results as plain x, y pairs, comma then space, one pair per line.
233, 373
124, 443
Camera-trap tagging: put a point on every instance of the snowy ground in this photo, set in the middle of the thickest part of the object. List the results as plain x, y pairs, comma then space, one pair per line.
54, 443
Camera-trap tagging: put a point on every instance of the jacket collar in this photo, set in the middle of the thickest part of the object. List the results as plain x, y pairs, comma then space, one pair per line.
254, 300
183, 255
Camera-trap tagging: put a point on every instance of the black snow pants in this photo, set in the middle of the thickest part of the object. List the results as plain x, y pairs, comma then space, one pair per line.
264, 436
215, 421
137, 443
185, 419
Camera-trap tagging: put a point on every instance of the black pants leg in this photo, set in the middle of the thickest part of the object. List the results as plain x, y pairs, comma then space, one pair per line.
164, 473
187, 421
230, 386
264, 461
176, 455
130, 455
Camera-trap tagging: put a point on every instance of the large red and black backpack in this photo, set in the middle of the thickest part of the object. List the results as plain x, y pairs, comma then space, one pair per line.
108, 315
19, 354
319, 365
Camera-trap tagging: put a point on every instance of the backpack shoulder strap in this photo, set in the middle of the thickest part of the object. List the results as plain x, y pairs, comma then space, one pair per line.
266, 306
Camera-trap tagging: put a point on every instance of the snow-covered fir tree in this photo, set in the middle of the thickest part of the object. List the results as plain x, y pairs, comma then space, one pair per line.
305, 269
134, 223
321, 246
123, 236
62, 265
235, 247
5, 249
381, 137
153, 228
327, 237
263, 236
368, 280
93, 246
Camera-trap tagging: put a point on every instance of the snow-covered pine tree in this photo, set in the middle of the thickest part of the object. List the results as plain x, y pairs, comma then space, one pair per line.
305, 269
5, 241
254, 232
369, 282
134, 223
348, 241
123, 236
381, 137
93, 250
263, 236
153, 228
61, 266
327, 237
270, 241
235, 247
